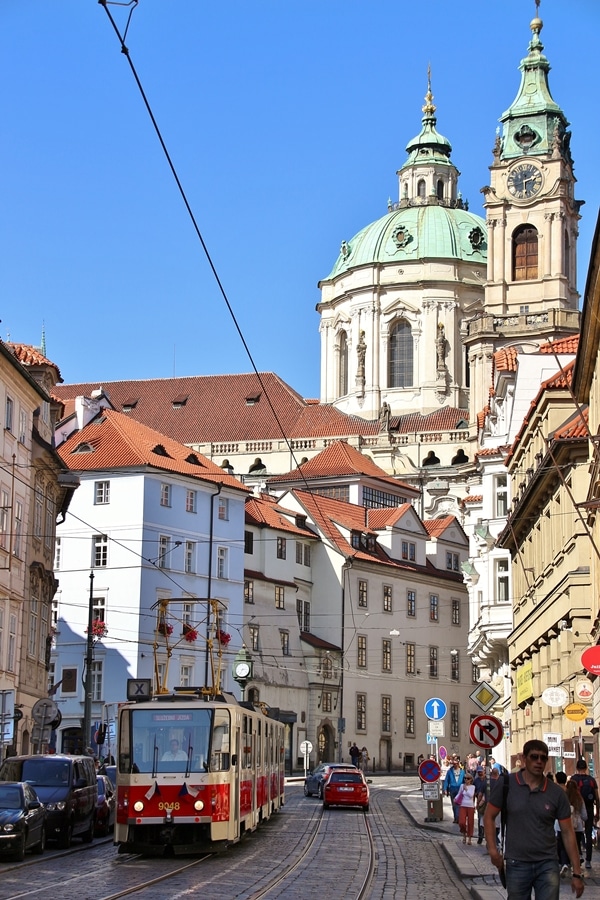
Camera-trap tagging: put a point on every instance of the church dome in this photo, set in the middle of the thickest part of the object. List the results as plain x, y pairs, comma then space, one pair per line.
413, 233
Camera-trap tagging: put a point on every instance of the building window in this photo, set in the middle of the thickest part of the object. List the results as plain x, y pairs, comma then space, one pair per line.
411, 662
433, 662
248, 542
18, 528
303, 613
38, 509
421, 188
222, 561
362, 594
343, 365
99, 608
525, 253
190, 501
452, 561
434, 608
475, 674
455, 665
387, 598
327, 666
99, 551
254, 643
4, 519
501, 496
186, 614
302, 554
440, 189
409, 722
361, 652
279, 596
185, 676
400, 360
165, 495
190, 557
455, 611
10, 408
97, 679
50, 520
57, 552
361, 712
411, 604
386, 714
22, 426
248, 592
101, 492
454, 721
11, 658
281, 547
501, 567
326, 704
164, 550
33, 626
285, 642
386, 655
409, 550
223, 508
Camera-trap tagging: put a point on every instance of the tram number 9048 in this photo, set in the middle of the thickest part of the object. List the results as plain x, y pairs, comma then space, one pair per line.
172, 806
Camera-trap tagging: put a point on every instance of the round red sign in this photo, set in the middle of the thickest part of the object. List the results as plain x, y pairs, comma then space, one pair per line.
590, 660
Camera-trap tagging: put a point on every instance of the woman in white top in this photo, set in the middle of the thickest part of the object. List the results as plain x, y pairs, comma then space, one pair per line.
466, 814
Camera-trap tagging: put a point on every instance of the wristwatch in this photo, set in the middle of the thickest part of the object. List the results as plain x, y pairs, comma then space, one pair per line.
574, 875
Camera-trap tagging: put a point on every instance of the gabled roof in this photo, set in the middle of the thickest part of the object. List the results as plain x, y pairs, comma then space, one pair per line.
265, 512
387, 518
575, 428
437, 527
559, 381
447, 419
222, 408
339, 459
115, 441
505, 359
317, 642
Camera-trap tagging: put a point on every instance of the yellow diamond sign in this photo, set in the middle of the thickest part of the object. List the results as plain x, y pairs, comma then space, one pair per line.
484, 696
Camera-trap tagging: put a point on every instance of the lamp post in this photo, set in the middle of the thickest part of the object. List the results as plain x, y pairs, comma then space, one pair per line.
89, 660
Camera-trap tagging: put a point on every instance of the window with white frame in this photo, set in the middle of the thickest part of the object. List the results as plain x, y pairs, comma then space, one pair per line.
45, 638
101, 492
502, 578
50, 519
190, 557
501, 496
51, 678
279, 596
387, 598
386, 655
99, 608
303, 613
326, 704
386, 714
363, 594
33, 626
18, 529
185, 676
161, 672
164, 551
22, 426
409, 550
99, 551
186, 614
248, 591
285, 642
452, 561
455, 611
11, 658
57, 552
190, 501
222, 562
165, 494
223, 509
9, 416
254, 638
97, 672
434, 608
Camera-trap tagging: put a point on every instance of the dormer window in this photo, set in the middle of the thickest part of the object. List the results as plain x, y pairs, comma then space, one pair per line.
84, 447
160, 450
129, 404
180, 401
252, 399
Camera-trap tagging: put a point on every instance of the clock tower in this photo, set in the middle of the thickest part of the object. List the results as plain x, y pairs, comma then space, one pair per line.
532, 223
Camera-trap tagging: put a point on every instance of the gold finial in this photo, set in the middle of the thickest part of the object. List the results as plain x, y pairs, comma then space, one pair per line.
536, 23
429, 107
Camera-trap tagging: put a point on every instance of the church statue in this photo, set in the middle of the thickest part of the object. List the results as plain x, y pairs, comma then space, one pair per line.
440, 347
384, 418
361, 352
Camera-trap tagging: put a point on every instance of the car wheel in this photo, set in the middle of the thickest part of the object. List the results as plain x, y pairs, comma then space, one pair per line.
39, 848
320, 794
325, 805
88, 836
307, 793
19, 853
64, 841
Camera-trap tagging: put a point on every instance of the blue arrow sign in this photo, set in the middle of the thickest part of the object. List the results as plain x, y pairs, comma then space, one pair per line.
435, 709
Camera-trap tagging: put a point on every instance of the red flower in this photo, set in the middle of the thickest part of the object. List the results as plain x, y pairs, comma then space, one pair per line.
191, 635
99, 629
165, 628
224, 638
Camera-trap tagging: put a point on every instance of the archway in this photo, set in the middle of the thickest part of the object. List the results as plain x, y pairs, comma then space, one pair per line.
325, 743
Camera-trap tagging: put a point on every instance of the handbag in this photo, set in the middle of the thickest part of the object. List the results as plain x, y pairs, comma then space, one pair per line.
459, 797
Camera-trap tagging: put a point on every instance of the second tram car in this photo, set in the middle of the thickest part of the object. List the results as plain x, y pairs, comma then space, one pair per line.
192, 774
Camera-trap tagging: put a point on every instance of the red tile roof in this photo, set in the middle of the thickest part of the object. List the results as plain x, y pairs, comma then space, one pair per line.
445, 419
115, 441
436, 527
574, 428
32, 356
559, 381
265, 512
382, 518
505, 359
564, 345
472, 498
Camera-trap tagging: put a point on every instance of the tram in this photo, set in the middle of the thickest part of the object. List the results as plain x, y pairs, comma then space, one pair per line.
195, 773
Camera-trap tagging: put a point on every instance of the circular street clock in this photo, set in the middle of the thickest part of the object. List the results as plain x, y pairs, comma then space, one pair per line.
524, 181
242, 670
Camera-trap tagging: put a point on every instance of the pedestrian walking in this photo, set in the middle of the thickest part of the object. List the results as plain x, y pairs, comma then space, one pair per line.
563, 859
354, 754
531, 803
452, 782
364, 759
466, 800
588, 788
578, 814
480, 800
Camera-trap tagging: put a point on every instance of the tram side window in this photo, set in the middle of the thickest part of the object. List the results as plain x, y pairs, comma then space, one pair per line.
220, 748
247, 746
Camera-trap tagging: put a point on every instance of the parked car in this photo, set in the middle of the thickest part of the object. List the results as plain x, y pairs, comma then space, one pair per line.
111, 771
105, 807
22, 820
67, 787
313, 783
346, 788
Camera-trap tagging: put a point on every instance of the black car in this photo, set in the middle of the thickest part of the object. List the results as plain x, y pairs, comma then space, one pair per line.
315, 780
105, 808
22, 820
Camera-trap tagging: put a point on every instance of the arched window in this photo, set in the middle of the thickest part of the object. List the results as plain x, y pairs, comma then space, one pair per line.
400, 364
343, 365
421, 188
525, 253
440, 189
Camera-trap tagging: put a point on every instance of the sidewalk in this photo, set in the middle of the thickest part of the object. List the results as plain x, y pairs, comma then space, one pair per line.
472, 863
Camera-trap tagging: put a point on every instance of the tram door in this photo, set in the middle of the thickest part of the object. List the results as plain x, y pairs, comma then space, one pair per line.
235, 779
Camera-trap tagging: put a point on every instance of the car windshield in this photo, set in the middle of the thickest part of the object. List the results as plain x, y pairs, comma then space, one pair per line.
46, 772
10, 798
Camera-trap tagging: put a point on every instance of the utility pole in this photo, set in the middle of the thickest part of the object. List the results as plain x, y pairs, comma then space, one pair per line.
89, 659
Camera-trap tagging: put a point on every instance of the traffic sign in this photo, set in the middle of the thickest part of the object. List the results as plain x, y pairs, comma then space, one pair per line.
484, 696
442, 752
436, 728
431, 791
431, 738
306, 748
576, 712
486, 731
44, 711
429, 771
435, 709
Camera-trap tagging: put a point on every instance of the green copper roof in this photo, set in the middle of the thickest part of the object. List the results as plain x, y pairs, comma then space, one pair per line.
534, 124
413, 233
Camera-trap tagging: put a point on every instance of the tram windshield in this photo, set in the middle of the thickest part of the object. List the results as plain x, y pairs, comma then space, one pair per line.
178, 740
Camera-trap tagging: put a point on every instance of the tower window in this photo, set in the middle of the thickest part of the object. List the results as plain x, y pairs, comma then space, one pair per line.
525, 253
439, 189
400, 365
421, 189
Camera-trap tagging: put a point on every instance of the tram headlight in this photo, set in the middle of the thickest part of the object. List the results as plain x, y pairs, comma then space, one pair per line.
138, 806
199, 805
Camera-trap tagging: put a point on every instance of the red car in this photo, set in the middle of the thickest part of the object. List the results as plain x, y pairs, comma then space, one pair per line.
346, 787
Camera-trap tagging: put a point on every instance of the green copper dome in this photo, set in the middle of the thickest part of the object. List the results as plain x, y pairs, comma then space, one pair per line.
415, 233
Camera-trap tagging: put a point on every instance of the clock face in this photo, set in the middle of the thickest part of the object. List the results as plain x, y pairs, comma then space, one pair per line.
242, 670
524, 181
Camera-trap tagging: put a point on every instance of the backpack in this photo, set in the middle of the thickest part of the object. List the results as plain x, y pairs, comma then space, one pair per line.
586, 785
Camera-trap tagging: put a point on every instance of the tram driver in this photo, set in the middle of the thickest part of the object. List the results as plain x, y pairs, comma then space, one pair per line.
174, 754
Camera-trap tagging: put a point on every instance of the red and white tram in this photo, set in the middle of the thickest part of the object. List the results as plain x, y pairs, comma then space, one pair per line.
192, 774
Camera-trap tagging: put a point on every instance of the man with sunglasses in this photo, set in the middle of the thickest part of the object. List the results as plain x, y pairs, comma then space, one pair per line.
532, 803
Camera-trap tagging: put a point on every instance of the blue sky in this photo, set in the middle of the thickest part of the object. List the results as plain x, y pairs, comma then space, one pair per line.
286, 122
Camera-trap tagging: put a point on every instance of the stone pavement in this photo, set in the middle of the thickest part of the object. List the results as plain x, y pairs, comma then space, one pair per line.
472, 862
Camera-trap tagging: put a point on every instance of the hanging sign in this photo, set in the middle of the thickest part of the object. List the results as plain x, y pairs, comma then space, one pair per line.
584, 690
576, 712
555, 696
590, 659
